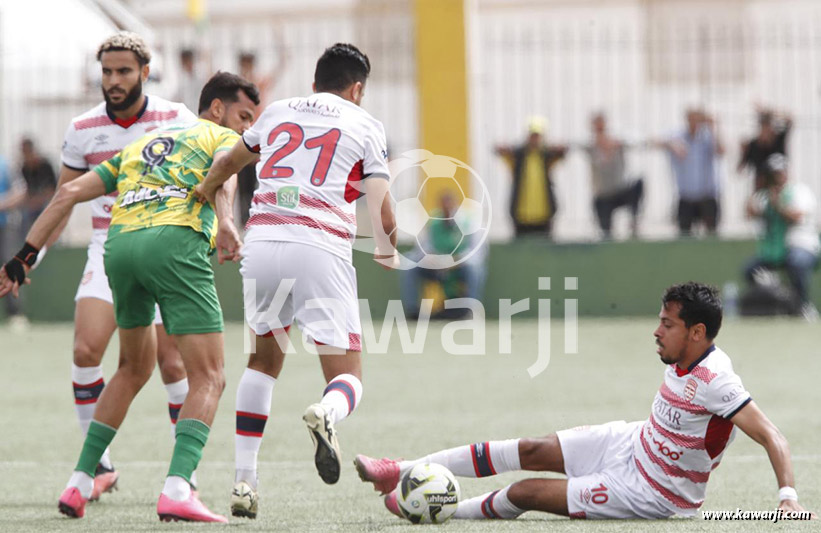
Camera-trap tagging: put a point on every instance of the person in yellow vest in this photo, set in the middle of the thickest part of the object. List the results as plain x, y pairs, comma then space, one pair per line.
532, 201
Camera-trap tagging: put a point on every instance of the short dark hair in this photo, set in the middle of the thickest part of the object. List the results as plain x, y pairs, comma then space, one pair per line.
700, 304
224, 86
187, 53
340, 66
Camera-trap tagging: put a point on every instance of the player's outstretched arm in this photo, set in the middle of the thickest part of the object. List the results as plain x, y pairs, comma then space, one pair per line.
225, 165
87, 187
752, 421
67, 175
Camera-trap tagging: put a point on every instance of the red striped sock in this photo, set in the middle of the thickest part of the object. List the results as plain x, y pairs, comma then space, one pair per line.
341, 396
253, 406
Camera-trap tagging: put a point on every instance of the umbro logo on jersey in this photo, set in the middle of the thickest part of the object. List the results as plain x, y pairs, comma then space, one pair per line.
690, 389
101, 138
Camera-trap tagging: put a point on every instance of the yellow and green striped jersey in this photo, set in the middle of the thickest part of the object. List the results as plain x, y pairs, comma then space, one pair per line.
154, 178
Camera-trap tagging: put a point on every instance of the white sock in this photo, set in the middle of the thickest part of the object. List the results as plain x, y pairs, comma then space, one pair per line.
341, 396
253, 407
491, 505
177, 488
475, 460
88, 384
83, 482
176, 396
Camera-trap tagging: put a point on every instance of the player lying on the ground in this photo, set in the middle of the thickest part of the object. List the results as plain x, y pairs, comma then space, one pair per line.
318, 153
125, 115
157, 253
652, 469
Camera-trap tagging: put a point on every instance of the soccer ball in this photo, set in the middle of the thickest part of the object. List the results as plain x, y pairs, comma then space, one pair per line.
428, 494
471, 216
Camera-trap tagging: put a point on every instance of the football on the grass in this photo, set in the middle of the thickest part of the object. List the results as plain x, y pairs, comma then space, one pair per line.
428, 494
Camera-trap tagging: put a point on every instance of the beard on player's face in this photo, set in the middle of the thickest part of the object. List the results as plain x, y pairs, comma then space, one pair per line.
672, 355
131, 96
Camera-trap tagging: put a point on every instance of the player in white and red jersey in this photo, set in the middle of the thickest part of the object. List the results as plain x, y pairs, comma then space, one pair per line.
651, 469
125, 115
317, 155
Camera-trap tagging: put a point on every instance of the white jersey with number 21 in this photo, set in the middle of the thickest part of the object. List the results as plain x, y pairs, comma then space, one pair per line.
314, 153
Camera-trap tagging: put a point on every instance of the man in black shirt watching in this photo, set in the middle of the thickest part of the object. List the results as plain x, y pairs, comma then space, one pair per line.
40, 183
771, 139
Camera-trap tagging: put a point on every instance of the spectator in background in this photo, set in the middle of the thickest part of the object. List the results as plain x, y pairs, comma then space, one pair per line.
12, 195
693, 156
41, 183
190, 83
444, 237
611, 187
790, 239
532, 200
247, 177
773, 131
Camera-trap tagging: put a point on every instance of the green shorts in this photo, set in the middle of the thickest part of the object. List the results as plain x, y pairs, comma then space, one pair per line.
168, 265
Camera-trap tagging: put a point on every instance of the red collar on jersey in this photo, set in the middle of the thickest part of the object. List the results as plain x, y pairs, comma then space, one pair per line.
127, 122
681, 372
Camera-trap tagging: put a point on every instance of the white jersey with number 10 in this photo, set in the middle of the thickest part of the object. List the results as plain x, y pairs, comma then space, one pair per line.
314, 153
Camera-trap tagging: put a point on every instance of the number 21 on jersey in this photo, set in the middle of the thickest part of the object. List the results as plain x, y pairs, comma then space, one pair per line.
296, 138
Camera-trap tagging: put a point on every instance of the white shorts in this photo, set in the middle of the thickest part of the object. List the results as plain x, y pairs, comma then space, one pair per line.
287, 281
94, 283
602, 479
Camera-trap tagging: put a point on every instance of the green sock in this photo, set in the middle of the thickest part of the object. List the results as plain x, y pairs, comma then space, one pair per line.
98, 438
191, 438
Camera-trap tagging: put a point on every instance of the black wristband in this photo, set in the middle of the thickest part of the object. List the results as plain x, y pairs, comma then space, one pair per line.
15, 271
28, 254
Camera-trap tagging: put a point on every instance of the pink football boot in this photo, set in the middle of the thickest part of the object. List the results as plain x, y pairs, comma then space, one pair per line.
383, 473
72, 503
191, 510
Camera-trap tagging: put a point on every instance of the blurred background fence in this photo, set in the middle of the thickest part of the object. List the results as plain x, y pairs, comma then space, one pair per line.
642, 62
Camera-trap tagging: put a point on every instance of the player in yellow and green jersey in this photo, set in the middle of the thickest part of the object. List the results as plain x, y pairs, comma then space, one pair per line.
157, 252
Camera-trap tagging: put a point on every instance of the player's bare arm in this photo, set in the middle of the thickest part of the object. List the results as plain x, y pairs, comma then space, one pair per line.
85, 188
67, 175
383, 221
752, 421
223, 168
228, 239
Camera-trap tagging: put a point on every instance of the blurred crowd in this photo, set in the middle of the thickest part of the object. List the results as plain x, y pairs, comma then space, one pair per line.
26, 187
785, 207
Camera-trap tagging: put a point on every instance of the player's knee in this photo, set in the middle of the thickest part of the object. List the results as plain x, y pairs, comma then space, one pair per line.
136, 372
87, 354
212, 381
171, 367
539, 453
265, 363
520, 494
